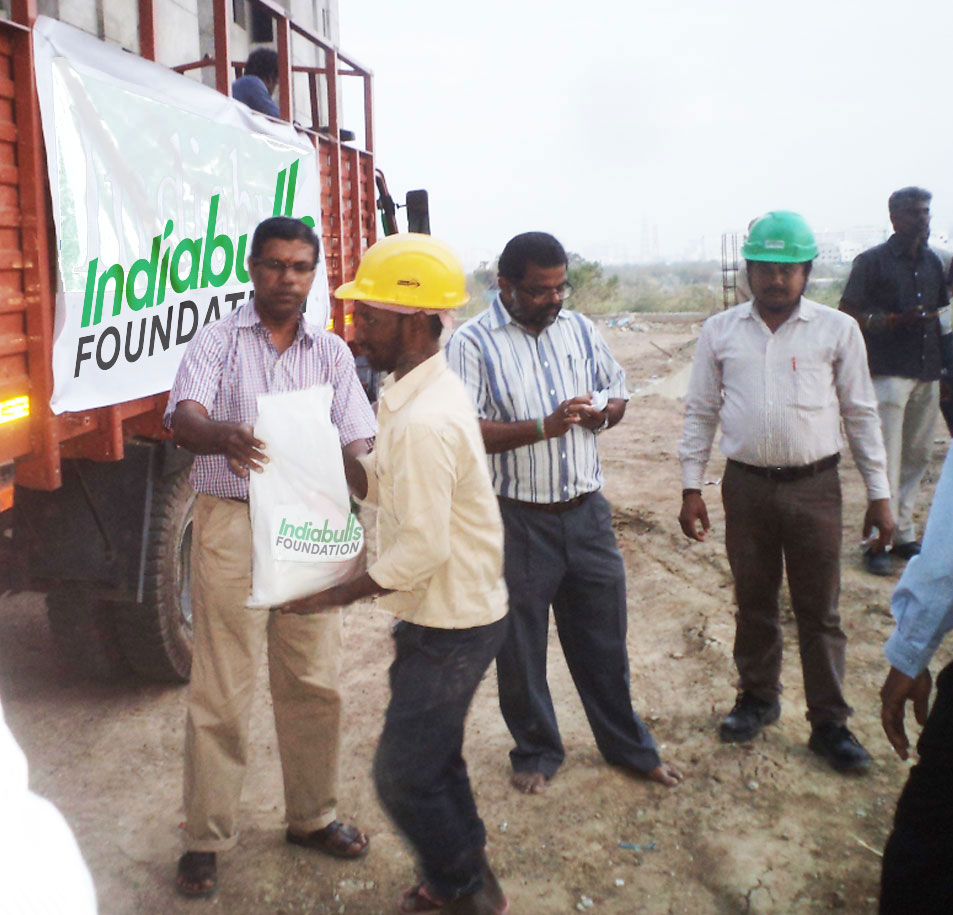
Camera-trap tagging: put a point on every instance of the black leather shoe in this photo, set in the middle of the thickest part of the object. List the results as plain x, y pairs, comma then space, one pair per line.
877, 563
747, 718
906, 550
839, 747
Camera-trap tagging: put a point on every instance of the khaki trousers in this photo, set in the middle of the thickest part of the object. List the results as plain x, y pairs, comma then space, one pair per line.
304, 661
908, 411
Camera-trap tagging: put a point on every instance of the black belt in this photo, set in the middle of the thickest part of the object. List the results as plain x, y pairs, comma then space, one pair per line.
789, 474
551, 508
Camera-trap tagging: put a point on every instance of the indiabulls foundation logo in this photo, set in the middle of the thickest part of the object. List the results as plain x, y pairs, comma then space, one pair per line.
325, 538
185, 265
193, 267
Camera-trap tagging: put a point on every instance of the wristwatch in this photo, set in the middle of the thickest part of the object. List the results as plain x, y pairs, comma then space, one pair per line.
605, 424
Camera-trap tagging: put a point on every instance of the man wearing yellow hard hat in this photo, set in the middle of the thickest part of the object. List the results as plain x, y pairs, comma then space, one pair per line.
439, 569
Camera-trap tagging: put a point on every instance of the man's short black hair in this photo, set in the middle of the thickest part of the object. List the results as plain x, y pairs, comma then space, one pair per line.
538, 248
285, 228
906, 196
263, 63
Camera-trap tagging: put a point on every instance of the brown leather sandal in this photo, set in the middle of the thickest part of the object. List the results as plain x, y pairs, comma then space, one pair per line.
335, 839
197, 874
419, 898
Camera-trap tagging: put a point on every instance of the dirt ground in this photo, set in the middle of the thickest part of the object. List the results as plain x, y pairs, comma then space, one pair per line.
763, 828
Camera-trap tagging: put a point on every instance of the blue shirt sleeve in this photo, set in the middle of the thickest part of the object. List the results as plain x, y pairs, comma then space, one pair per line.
251, 91
922, 602
464, 357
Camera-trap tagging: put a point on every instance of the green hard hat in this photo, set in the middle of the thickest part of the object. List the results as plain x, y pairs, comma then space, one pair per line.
781, 237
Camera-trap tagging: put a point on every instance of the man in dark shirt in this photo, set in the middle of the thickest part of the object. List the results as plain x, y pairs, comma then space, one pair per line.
896, 292
259, 81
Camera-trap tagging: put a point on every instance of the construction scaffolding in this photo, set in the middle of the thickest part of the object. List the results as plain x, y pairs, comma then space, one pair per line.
729, 269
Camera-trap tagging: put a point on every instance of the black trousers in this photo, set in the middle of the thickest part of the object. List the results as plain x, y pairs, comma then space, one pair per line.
569, 561
917, 877
419, 771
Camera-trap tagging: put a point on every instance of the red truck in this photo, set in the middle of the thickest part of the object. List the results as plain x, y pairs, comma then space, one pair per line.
95, 506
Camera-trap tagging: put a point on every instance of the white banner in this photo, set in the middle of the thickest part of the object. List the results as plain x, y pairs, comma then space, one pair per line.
157, 185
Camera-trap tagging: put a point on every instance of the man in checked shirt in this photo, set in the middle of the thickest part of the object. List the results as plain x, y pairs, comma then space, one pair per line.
264, 346
545, 385
780, 373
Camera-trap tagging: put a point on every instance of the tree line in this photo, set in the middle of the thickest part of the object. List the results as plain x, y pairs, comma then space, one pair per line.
694, 286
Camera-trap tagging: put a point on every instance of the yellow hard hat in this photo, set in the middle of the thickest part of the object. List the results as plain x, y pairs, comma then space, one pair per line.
410, 269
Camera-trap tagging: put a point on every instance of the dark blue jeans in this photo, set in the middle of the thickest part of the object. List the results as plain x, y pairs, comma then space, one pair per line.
917, 876
419, 770
569, 561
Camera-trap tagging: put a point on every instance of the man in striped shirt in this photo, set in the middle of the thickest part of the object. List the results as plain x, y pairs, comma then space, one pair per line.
545, 385
265, 346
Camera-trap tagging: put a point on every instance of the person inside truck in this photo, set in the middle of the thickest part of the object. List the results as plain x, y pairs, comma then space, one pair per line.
265, 345
257, 85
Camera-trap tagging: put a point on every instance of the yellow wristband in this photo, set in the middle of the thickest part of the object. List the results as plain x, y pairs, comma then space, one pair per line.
540, 432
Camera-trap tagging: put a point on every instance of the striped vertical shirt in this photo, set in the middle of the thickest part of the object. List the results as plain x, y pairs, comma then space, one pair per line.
513, 375
229, 363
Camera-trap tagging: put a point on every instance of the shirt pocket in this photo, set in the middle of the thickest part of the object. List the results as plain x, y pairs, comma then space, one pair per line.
813, 386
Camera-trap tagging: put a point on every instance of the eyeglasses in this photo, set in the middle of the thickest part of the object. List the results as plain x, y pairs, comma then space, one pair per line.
273, 265
541, 293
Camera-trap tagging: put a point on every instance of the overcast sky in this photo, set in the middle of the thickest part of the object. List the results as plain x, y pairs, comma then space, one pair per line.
613, 124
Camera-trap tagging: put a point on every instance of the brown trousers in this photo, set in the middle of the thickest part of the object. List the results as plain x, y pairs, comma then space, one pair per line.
771, 526
304, 661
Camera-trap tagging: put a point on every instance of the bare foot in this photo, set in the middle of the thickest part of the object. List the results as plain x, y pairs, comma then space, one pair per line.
529, 782
665, 774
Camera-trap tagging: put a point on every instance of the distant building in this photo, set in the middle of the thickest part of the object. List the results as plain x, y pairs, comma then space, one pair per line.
842, 246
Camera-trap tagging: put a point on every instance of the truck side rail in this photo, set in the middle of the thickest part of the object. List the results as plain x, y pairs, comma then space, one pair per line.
34, 437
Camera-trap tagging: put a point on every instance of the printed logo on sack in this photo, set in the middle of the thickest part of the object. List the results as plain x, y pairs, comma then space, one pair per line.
306, 537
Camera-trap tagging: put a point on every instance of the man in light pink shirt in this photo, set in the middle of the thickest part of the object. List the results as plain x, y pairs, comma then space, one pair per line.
265, 346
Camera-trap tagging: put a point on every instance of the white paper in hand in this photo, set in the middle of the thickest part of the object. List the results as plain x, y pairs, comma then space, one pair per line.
305, 538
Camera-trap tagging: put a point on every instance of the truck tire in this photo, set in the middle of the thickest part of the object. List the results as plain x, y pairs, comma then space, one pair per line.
85, 634
156, 634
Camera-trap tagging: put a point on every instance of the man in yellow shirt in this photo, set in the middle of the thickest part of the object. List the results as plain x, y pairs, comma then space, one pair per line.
439, 570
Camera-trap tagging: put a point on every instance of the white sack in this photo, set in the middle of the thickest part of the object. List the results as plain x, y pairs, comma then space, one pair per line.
304, 538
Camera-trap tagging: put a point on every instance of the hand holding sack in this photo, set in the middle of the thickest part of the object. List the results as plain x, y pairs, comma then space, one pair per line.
304, 537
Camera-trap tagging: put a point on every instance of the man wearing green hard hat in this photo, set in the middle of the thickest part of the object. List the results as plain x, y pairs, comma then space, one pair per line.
780, 373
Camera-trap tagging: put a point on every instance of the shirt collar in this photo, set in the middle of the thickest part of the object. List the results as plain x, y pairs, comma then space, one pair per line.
805, 311
247, 316
897, 248
397, 392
